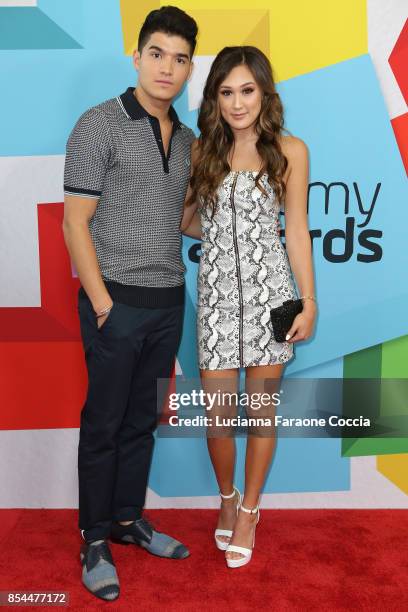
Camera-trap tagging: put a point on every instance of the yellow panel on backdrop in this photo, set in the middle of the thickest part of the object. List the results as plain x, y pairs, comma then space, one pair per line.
308, 35
229, 23
395, 468
259, 37
223, 28
244, 27
303, 35
133, 14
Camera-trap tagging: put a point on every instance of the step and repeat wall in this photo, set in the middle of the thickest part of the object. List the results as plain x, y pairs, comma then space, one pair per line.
339, 68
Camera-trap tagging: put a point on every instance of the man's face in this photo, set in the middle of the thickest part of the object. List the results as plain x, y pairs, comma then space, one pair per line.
164, 65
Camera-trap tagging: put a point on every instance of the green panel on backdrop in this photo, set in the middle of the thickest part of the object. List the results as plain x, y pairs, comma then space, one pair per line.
363, 447
395, 358
363, 364
394, 396
388, 360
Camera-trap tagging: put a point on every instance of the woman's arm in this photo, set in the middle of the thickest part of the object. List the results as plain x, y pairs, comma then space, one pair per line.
193, 229
190, 223
297, 237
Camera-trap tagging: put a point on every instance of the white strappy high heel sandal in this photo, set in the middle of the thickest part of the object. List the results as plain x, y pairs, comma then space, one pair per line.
226, 532
247, 552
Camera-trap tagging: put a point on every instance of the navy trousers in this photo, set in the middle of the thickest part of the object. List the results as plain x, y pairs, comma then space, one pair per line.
124, 358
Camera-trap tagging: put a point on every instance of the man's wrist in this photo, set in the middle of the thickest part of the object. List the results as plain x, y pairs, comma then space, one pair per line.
102, 307
103, 312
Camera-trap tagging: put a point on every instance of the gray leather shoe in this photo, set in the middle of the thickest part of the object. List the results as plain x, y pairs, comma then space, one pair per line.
98, 570
142, 533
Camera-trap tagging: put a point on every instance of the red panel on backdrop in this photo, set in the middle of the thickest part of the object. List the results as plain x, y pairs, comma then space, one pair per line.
56, 319
400, 126
41, 359
398, 61
44, 384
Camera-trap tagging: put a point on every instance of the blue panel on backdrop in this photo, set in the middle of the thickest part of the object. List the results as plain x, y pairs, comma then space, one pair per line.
358, 209
47, 90
358, 239
30, 28
340, 113
95, 24
300, 465
181, 467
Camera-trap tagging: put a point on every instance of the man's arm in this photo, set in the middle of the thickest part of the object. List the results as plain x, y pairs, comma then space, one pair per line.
87, 160
77, 213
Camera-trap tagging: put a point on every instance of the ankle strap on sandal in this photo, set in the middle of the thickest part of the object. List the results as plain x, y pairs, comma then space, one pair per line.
250, 511
232, 494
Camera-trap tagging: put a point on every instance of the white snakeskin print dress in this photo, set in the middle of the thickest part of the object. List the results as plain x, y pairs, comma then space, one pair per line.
244, 272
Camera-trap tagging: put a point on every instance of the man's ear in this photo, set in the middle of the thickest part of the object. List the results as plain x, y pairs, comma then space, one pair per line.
136, 59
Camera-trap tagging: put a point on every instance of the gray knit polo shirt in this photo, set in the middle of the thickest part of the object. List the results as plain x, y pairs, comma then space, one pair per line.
115, 154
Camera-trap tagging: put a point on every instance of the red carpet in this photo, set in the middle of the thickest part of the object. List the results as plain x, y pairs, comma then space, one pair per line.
303, 560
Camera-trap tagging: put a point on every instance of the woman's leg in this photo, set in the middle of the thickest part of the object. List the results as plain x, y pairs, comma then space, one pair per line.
261, 381
220, 439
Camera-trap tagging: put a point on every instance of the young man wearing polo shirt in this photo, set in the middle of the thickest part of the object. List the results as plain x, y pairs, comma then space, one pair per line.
126, 175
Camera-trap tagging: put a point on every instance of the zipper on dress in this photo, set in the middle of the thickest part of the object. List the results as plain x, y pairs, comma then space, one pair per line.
234, 237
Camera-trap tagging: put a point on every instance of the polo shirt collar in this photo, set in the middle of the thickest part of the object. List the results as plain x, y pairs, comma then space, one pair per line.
136, 111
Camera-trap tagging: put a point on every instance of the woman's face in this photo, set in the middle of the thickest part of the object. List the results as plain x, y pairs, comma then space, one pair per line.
240, 98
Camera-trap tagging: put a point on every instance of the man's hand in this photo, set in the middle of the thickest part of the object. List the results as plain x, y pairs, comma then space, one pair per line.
101, 320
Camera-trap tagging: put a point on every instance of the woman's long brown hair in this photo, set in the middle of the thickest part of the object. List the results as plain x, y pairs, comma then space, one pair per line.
216, 138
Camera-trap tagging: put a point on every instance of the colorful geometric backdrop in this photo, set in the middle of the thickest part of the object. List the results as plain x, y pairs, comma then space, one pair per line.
340, 72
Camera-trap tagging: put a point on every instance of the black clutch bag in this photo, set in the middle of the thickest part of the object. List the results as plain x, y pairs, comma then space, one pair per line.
283, 316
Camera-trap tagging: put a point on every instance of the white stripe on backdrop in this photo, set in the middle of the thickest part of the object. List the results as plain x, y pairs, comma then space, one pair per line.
40, 471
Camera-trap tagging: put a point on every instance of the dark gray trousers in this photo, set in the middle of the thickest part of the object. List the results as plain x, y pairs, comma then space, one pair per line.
125, 357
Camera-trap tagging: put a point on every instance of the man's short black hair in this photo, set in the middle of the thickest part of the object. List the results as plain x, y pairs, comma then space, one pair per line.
169, 20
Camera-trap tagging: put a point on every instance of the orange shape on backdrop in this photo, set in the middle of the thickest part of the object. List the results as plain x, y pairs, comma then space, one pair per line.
398, 61
400, 127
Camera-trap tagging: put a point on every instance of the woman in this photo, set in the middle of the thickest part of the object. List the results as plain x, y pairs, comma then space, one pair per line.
244, 172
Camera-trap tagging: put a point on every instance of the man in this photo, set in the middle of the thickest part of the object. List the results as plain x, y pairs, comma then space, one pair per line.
126, 175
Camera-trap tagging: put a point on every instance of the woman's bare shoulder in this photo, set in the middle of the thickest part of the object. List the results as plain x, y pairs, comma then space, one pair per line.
293, 148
